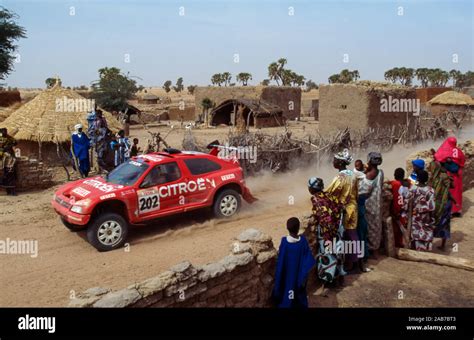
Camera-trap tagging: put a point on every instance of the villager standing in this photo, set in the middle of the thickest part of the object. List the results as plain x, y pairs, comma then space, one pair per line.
364, 189
373, 204
344, 188
8, 161
135, 149
441, 183
294, 263
399, 221
121, 148
422, 217
80, 145
100, 132
453, 159
327, 218
418, 165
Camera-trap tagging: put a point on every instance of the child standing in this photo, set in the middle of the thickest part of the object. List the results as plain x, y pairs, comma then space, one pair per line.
293, 266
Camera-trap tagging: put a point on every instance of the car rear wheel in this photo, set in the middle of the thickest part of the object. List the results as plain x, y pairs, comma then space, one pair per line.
227, 203
70, 226
107, 232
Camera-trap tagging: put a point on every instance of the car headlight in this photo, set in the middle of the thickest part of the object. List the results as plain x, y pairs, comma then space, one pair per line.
77, 209
79, 206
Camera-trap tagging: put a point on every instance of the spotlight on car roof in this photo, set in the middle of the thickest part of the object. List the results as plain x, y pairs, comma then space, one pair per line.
171, 150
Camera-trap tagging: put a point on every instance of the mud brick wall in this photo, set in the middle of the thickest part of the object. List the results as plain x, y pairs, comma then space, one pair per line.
468, 171
425, 94
32, 174
358, 107
244, 278
187, 113
261, 122
277, 95
287, 98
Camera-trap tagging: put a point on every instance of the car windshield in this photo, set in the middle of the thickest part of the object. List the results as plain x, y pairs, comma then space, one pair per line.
127, 173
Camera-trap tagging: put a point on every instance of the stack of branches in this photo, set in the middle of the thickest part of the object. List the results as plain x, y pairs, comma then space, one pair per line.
283, 152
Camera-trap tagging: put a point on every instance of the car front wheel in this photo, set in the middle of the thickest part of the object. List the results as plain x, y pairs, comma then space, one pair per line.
107, 232
227, 203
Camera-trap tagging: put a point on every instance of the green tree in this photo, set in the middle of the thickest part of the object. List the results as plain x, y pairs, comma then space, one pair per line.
310, 85
265, 82
344, 77
456, 76
113, 89
10, 32
179, 85
167, 86
244, 77
422, 76
226, 77
50, 82
217, 79
206, 104
191, 89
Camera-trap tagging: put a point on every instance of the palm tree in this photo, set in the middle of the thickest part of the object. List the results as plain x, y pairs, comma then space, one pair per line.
392, 75
335, 78
216, 79
226, 77
455, 75
273, 72
206, 104
244, 77
422, 76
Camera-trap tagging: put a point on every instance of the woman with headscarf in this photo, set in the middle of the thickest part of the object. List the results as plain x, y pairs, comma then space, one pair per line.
422, 216
326, 217
373, 204
452, 158
441, 183
80, 149
344, 188
418, 165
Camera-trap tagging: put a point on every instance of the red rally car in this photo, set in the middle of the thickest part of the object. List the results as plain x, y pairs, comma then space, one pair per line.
148, 187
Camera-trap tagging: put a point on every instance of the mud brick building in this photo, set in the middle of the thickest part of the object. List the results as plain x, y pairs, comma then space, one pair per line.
359, 106
288, 99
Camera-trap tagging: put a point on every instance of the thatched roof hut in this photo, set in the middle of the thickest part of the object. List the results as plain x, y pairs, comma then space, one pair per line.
49, 118
452, 98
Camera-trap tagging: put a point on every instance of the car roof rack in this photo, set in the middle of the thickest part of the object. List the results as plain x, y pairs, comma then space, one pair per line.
172, 151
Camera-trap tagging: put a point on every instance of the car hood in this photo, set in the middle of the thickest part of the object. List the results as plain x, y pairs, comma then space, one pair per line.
89, 188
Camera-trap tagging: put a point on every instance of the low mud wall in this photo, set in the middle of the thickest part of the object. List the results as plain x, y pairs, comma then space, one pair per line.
244, 278
32, 175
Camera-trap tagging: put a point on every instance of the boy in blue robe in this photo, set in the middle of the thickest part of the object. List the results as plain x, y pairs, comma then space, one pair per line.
294, 263
80, 147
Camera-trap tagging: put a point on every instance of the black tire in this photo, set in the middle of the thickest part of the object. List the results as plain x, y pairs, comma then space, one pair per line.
107, 222
226, 204
72, 227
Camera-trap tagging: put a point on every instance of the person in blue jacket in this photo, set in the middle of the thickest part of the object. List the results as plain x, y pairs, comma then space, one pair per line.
294, 263
80, 147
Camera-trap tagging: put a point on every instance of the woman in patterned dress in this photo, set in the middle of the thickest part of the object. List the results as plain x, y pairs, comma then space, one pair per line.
423, 201
326, 217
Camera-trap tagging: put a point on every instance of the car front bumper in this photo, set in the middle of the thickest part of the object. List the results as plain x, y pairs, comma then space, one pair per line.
68, 215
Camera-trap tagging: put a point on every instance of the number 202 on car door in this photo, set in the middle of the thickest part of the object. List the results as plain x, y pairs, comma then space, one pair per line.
148, 201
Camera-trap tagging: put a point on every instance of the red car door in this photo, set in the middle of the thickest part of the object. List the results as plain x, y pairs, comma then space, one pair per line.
202, 178
159, 191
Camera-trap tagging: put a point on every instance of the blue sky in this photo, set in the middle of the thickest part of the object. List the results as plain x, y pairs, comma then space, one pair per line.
164, 45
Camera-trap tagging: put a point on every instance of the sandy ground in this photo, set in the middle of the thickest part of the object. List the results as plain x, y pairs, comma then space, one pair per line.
66, 263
